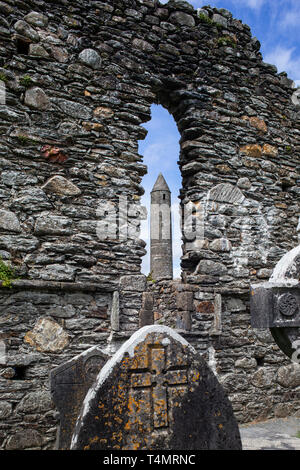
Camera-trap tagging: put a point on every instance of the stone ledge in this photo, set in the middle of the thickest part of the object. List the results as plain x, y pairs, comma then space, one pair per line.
64, 286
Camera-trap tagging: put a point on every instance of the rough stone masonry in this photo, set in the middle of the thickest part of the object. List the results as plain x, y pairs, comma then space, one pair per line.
79, 80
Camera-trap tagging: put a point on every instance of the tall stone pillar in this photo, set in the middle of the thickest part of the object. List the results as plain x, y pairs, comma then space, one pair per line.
161, 259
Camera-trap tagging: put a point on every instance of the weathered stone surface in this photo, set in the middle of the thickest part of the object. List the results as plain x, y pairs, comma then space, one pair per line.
47, 336
221, 244
69, 384
184, 320
71, 108
183, 19
219, 19
24, 29
246, 363
263, 378
35, 402
225, 192
54, 225
38, 50
244, 183
210, 267
26, 439
9, 221
55, 272
143, 45
5, 410
115, 312
133, 283
156, 393
91, 58
289, 376
185, 301
103, 112
36, 19
36, 98
60, 185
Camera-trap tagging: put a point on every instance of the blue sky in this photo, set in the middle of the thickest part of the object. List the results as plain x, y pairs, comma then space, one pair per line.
276, 24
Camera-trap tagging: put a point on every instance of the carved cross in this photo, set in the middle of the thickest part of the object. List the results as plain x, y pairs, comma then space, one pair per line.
159, 380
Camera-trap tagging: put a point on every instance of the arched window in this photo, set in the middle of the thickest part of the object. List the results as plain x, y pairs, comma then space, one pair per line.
160, 150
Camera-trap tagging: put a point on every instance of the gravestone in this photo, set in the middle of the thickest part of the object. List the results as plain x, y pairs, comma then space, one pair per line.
276, 304
69, 385
156, 393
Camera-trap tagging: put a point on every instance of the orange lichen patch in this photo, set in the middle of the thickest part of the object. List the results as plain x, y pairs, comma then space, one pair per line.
221, 426
253, 150
103, 112
92, 126
127, 426
270, 150
195, 376
259, 124
93, 440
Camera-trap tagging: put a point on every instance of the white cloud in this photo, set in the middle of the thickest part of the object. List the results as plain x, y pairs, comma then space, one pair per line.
283, 58
256, 4
290, 19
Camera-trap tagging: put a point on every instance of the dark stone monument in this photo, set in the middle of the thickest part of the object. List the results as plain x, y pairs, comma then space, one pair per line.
156, 393
276, 304
69, 385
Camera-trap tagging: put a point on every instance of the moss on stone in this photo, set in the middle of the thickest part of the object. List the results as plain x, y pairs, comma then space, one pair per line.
26, 81
7, 274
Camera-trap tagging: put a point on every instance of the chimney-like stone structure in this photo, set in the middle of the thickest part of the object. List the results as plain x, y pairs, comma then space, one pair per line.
161, 259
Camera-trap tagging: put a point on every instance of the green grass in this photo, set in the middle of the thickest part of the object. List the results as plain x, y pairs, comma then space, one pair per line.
226, 41
205, 19
298, 434
150, 278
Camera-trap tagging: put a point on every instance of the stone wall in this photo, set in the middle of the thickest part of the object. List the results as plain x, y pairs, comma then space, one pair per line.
80, 78
260, 380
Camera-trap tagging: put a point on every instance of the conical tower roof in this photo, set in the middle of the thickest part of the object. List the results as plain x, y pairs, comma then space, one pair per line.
160, 184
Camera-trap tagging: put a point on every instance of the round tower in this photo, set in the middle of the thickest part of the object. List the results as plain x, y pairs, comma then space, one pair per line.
161, 259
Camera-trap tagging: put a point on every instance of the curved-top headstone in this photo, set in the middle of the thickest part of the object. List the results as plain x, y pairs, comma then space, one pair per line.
70, 383
156, 393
